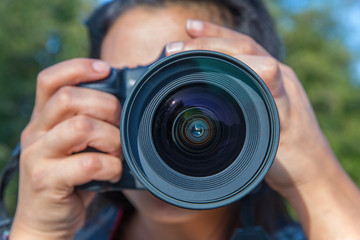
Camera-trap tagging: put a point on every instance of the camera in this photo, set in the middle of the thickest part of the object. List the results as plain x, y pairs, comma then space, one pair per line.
199, 129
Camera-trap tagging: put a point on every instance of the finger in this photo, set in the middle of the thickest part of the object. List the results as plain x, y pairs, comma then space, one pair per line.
71, 72
198, 29
73, 170
84, 167
69, 101
78, 133
268, 69
233, 46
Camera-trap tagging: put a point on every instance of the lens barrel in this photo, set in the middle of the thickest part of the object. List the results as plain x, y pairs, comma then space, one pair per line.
200, 129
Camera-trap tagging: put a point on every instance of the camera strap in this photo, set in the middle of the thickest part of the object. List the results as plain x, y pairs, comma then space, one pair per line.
7, 175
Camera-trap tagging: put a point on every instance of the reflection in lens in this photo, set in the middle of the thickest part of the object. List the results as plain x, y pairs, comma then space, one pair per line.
195, 130
198, 129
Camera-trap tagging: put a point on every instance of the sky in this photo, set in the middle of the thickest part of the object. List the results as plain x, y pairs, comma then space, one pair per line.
347, 14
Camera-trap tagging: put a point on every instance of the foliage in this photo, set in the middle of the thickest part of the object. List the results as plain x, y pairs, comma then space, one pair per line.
39, 33
321, 61
33, 35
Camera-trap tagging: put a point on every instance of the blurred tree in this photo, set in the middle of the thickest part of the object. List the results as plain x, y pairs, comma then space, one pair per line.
315, 50
36, 34
33, 35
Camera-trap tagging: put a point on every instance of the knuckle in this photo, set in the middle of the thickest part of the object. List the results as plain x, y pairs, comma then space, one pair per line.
28, 136
42, 79
34, 174
247, 45
246, 48
80, 123
250, 49
37, 177
25, 134
91, 164
271, 68
64, 98
247, 39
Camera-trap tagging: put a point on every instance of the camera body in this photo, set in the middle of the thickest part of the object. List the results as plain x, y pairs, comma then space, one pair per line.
199, 129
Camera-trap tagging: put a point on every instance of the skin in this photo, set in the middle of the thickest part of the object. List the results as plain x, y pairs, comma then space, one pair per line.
67, 119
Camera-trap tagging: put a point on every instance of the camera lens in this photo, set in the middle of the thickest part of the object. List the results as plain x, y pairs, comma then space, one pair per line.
195, 130
198, 129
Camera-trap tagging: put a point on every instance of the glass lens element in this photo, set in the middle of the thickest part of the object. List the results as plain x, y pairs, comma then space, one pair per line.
198, 129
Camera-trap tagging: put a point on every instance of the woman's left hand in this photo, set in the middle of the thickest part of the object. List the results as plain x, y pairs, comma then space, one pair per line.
298, 172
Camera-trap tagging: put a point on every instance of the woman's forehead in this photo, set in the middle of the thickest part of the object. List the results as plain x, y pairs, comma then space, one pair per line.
138, 36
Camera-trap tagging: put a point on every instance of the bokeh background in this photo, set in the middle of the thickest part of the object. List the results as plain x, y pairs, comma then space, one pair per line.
322, 44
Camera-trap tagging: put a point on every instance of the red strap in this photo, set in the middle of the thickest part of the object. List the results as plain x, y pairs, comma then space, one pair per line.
118, 221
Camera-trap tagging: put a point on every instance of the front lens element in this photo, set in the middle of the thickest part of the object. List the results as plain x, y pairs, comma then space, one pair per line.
198, 129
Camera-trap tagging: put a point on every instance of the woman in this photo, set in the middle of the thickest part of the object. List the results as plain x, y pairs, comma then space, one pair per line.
68, 119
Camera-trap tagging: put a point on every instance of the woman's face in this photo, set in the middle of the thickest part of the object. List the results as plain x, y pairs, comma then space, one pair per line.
138, 38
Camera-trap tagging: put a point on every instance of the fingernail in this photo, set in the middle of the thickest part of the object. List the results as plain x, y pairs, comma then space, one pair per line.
100, 66
194, 25
174, 47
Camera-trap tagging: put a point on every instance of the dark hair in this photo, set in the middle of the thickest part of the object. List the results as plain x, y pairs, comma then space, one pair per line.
247, 16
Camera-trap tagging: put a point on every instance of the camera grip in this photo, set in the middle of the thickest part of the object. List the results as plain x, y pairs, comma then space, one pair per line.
113, 84
119, 83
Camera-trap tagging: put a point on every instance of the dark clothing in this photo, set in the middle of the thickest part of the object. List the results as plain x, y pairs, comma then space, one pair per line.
104, 227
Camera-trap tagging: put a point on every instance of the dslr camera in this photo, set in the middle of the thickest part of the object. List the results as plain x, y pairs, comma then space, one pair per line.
199, 129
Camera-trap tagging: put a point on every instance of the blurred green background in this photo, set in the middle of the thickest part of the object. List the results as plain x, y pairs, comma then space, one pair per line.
39, 33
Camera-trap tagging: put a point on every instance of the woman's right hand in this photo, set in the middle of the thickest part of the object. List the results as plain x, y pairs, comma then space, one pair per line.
66, 120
